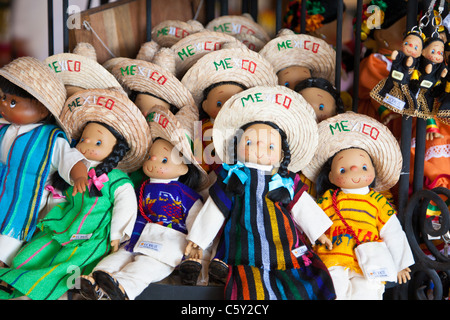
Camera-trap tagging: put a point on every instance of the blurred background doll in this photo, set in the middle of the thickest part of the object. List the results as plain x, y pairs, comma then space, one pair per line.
262, 143
32, 100
76, 234
167, 205
346, 167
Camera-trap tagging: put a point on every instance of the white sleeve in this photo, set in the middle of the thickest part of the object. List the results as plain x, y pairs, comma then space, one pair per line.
64, 158
310, 217
206, 225
124, 212
193, 213
397, 243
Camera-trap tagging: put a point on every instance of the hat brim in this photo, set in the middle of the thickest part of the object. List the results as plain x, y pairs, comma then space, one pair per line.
278, 104
352, 130
116, 110
234, 24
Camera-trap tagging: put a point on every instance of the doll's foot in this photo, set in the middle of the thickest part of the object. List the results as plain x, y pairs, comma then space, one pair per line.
189, 271
112, 288
89, 288
218, 272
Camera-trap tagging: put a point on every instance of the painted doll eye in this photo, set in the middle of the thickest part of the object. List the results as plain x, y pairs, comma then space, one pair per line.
286, 84
342, 170
164, 160
99, 143
406, 43
219, 104
272, 146
416, 47
432, 51
364, 167
12, 104
4, 97
248, 142
321, 107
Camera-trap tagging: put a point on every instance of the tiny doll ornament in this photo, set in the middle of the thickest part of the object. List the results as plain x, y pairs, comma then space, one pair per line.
359, 158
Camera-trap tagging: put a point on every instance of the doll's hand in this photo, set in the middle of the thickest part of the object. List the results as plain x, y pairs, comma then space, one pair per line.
193, 251
323, 239
394, 54
403, 276
444, 73
391, 116
79, 185
433, 135
115, 245
409, 61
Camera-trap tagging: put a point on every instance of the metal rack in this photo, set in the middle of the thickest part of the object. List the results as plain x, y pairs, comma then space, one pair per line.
411, 209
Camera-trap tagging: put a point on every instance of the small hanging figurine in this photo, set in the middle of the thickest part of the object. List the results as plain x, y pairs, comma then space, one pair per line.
76, 234
264, 135
356, 157
168, 203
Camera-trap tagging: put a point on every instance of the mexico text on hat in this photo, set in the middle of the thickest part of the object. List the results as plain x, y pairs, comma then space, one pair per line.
158, 118
230, 63
301, 44
357, 126
103, 101
231, 27
172, 31
281, 99
134, 69
66, 65
192, 49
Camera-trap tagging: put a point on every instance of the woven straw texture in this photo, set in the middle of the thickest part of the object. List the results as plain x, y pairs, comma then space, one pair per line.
240, 65
289, 49
36, 78
278, 104
115, 109
350, 129
169, 32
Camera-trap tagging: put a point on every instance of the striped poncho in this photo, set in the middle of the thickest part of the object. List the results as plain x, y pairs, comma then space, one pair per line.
268, 256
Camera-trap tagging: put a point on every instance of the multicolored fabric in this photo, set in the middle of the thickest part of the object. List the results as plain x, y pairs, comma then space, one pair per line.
167, 204
23, 178
73, 238
260, 237
366, 215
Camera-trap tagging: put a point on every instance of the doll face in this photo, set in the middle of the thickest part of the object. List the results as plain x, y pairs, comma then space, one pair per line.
96, 142
291, 76
412, 46
22, 111
145, 102
164, 161
217, 97
434, 52
322, 102
260, 144
352, 169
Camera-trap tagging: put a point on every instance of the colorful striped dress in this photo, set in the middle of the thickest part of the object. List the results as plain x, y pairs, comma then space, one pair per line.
71, 240
267, 255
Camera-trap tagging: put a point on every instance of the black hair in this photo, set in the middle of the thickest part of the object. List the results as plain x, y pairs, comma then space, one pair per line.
323, 181
323, 84
192, 177
7, 87
109, 163
133, 95
202, 113
277, 195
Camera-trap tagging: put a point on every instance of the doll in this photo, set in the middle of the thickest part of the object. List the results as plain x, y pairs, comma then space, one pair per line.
259, 199
214, 78
394, 91
32, 99
359, 157
322, 96
167, 204
77, 233
296, 57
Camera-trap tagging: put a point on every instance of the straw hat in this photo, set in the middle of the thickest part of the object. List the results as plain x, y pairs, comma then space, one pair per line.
37, 79
144, 76
240, 65
169, 32
191, 48
289, 49
233, 24
111, 107
250, 41
81, 70
350, 129
164, 124
278, 104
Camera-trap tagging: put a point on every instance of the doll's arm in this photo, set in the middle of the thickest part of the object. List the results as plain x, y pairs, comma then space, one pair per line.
124, 212
79, 178
432, 131
206, 225
310, 217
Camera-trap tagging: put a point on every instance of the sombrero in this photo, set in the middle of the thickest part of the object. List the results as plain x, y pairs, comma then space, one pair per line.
164, 124
191, 48
169, 32
40, 81
234, 24
278, 104
111, 107
240, 65
289, 49
81, 69
350, 129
